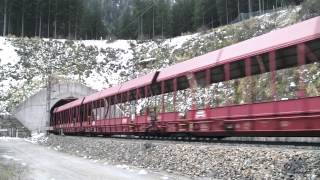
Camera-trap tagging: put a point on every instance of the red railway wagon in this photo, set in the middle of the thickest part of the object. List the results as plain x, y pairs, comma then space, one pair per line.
193, 97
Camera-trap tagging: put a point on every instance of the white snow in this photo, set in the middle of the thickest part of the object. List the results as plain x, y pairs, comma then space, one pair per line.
10, 157
142, 171
177, 42
118, 44
7, 52
5, 138
123, 166
147, 60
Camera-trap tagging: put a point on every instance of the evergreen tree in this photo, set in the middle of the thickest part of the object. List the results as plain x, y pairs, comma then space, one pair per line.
95, 19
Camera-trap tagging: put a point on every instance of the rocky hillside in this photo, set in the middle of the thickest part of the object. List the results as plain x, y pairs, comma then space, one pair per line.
27, 62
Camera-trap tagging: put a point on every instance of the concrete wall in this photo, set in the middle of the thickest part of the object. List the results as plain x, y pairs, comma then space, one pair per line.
32, 113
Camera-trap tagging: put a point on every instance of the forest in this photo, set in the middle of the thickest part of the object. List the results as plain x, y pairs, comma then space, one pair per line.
124, 19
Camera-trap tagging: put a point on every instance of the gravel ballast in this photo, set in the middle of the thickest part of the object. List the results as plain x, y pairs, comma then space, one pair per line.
221, 161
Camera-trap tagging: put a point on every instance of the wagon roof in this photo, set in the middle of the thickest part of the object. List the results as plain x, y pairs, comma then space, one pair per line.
303, 31
102, 94
126, 86
71, 104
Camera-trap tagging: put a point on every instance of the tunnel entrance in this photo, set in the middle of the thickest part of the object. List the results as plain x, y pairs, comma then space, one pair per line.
60, 103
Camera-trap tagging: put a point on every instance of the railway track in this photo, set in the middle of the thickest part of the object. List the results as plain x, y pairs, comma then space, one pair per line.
293, 142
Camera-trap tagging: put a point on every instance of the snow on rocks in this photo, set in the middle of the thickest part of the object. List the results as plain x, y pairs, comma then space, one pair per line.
37, 138
197, 159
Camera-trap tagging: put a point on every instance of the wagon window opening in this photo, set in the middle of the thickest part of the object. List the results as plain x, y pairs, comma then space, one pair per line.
132, 105
155, 99
183, 94
156, 89
74, 112
217, 74
237, 69
201, 78
201, 93
217, 83
312, 68
260, 64
133, 95
168, 95
287, 76
142, 92
168, 86
142, 102
259, 90
286, 57
313, 51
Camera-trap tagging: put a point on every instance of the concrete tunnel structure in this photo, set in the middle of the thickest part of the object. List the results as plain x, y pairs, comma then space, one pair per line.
32, 112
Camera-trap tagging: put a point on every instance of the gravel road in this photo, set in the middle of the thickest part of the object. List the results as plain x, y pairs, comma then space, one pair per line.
43, 163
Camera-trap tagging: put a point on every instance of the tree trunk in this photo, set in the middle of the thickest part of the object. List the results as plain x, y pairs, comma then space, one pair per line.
75, 30
162, 27
55, 20
260, 10
227, 13
238, 7
69, 21
48, 33
69, 28
9, 20
36, 25
153, 21
250, 8
40, 23
22, 20
5, 18
141, 26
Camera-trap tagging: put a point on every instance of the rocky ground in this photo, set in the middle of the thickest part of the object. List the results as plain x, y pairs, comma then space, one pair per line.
219, 161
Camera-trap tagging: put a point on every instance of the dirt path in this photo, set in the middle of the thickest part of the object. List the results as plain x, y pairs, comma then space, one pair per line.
41, 163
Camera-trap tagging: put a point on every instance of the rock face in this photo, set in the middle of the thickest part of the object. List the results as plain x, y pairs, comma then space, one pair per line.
224, 161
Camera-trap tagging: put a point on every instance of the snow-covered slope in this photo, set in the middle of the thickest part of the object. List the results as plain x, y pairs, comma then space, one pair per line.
26, 62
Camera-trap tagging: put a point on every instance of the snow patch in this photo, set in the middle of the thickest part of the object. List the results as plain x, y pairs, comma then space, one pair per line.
123, 166
142, 172
7, 52
5, 138
10, 157
37, 138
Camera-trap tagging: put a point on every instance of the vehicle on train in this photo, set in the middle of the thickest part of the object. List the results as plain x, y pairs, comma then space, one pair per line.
233, 91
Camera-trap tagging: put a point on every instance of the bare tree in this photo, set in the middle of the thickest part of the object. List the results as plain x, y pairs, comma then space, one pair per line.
40, 23
49, 12
5, 18
227, 13
22, 19
238, 5
250, 8
55, 19
260, 7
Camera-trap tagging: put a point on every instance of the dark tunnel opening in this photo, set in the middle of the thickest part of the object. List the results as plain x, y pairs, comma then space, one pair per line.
60, 103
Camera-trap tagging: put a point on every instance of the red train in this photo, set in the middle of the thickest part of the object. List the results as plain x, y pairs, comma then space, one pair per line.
194, 97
